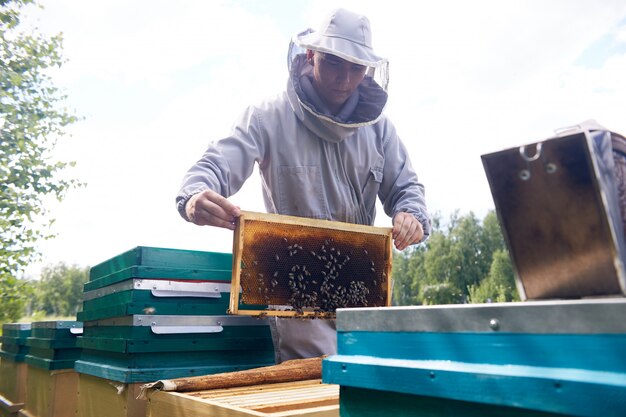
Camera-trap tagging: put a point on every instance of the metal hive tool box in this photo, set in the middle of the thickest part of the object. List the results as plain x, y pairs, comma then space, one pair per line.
293, 266
53, 344
534, 358
143, 348
558, 207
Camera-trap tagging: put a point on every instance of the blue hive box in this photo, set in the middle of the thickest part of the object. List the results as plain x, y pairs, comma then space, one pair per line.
540, 358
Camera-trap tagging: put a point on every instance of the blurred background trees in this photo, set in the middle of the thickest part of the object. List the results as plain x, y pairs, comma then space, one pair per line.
59, 291
463, 261
32, 119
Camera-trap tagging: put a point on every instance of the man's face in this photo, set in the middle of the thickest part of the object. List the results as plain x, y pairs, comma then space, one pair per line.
335, 79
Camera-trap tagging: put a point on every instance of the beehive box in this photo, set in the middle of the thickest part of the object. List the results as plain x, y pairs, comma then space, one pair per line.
160, 263
304, 398
50, 393
156, 296
13, 341
535, 358
12, 385
53, 344
143, 348
13, 370
99, 397
294, 266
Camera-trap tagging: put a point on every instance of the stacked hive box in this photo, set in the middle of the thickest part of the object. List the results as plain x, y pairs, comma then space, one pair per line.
157, 313
536, 359
13, 369
51, 382
53, 345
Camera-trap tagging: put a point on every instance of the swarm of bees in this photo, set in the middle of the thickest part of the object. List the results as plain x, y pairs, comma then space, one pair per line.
320, 278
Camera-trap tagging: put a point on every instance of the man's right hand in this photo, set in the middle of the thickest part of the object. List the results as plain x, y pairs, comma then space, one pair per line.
208, 208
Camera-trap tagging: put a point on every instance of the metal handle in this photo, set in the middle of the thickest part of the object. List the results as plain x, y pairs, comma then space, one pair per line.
527, 158
178, 293
156, 329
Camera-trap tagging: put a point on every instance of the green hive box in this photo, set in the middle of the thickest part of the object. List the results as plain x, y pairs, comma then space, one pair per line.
143, 348
53, 344
161, 263
155, 296
13, 340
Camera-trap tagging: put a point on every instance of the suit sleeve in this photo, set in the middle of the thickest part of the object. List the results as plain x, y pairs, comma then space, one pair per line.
401, 190
227, 163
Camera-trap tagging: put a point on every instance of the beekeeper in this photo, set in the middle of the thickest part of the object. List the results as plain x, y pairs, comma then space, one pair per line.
325, 150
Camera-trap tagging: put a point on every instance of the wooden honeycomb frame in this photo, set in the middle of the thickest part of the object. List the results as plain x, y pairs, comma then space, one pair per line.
309, 266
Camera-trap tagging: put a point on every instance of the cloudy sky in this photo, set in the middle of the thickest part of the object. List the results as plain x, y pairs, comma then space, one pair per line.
156, 81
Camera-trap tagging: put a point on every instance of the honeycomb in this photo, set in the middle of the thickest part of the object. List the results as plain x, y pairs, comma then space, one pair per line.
311, 266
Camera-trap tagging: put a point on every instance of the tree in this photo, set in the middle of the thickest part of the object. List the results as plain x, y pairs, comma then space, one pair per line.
60, 289
32, 119
499, 286
453, 264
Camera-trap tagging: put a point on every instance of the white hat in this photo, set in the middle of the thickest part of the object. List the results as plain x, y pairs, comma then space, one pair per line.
344, 34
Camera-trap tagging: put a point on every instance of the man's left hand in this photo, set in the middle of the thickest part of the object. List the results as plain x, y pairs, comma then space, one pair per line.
406, 230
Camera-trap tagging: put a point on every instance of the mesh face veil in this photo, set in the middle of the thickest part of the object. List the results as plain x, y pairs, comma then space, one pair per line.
377, 71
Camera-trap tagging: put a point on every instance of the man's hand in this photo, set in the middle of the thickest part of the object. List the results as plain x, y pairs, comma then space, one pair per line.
406, 230
208, 208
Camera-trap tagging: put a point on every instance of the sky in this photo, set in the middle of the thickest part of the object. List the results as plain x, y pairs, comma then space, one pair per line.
156, 81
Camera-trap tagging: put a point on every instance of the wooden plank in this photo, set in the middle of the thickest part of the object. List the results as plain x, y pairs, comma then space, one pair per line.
286, 313
8, 406
13, 380
302, 399
99, 397
319, 223
235, 280
231, 392
50, 393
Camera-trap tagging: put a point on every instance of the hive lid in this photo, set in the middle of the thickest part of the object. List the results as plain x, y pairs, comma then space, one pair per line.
557, 204
161, 258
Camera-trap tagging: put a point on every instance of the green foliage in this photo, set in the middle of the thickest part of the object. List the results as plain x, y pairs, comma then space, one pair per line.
499, 286
31, 120
59, 292
14, 295
465, 260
